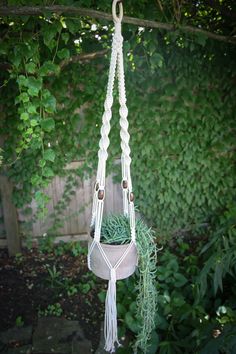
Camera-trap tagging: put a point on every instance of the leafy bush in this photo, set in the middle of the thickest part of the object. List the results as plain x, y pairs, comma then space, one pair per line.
181, 101
51, 310
196, 294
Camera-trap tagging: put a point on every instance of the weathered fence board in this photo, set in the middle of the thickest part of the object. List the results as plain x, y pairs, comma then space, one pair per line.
9, 216
2, 227
76, 214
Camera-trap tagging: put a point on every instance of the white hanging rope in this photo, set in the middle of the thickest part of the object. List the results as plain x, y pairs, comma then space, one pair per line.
98, 225
116, 63
110, 323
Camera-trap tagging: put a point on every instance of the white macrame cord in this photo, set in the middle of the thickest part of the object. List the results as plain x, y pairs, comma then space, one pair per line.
116, 65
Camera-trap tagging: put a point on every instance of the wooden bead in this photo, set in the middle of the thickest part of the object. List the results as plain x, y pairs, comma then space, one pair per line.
131, 197
101, 194
125, 184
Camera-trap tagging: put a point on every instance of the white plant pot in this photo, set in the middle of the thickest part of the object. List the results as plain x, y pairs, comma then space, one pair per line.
113, 253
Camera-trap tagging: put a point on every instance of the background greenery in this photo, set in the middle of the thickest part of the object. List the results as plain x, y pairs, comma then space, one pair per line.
181, 99
180, 90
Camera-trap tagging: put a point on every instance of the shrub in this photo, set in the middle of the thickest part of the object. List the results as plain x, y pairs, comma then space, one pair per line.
196, 293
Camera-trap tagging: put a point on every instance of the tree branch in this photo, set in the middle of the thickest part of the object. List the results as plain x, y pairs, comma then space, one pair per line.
74, 59
60, 9
82, 57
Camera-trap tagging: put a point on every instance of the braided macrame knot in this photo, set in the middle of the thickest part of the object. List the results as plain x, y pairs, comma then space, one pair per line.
108, 103
124, 112
118, 269
104, 142
118, 43
102, 154
124, 133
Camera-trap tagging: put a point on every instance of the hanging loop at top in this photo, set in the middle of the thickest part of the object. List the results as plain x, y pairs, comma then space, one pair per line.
117, 18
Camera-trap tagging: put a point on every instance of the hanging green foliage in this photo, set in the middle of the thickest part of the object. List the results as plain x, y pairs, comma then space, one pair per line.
180, 91
116, 230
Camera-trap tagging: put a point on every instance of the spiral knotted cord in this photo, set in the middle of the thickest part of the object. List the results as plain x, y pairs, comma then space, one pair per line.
116, 66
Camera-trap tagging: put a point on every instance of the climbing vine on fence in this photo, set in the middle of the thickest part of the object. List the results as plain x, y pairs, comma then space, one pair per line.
181, 98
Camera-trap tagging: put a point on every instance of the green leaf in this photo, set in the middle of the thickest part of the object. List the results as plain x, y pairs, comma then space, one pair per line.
162, 323
217, 281
48, 124
49, 34
156, 60
177, 299
180, 280
131, 322
133, 307
48, 68
49, 102
42, 163
24, 97
32, 109
22, 81
154, 343
121, 310
65, 37
102, 296
30, 68
63, 53
33, 122
36, 83
16, 60
24, 116
35, 86
49, 155
48, 172
39, 197
73, 26
85, 288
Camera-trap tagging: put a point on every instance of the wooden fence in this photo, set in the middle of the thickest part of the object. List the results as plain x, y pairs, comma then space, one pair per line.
2, 227
75, 216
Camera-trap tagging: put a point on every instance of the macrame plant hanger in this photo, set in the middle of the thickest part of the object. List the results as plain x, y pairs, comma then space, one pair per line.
113, 262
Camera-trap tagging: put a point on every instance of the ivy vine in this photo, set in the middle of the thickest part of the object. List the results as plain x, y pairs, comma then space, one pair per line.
181, 99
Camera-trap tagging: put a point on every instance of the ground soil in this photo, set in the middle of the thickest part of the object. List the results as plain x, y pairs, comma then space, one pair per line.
26, 288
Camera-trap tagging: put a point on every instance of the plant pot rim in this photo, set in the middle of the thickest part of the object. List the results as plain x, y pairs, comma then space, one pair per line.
107, 245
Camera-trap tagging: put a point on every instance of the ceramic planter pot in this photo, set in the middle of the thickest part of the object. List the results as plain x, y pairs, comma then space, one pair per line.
113, 253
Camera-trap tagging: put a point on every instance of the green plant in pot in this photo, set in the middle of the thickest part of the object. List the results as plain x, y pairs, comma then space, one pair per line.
115, 230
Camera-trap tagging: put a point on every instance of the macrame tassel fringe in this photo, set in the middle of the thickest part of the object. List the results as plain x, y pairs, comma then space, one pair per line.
110, 324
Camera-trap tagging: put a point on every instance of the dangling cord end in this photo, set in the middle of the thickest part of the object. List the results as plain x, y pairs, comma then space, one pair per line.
110, 323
